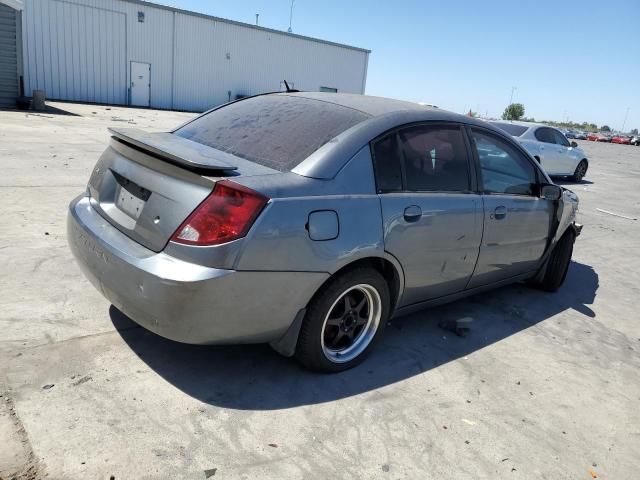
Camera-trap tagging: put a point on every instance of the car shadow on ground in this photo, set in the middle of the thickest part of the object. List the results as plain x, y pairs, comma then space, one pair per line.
567, 182
253, 377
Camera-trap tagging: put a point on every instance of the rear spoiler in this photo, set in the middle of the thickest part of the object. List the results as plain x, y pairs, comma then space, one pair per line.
175, 149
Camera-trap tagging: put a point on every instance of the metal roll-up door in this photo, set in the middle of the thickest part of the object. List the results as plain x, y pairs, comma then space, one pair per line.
8, 57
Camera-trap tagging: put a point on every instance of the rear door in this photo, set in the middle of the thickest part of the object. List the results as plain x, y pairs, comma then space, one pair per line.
517, 221
432, 218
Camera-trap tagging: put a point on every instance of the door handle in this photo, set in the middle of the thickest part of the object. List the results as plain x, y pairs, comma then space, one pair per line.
412, 213
499, 213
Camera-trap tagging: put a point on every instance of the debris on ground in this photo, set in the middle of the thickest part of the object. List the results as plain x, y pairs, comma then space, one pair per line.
210, 472
84, 379
592, 473
460, 326
48, 386
273, 445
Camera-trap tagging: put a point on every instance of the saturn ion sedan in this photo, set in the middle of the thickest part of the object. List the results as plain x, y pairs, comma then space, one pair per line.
308, 220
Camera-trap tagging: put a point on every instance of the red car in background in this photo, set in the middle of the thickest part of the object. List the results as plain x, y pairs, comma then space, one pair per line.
598, 137
624, 140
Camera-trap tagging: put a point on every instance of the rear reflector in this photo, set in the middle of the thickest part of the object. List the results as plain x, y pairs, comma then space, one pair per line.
225, 215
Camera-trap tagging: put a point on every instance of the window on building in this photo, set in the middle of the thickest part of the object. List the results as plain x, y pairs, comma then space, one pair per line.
328, 89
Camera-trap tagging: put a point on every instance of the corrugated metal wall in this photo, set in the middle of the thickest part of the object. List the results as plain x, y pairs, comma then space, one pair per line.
82, 50
8, 57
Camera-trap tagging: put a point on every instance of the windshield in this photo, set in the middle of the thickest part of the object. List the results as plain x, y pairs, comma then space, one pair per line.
510, 128
277, 131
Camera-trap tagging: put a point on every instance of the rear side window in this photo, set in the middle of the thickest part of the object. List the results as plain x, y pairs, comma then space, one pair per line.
276, 131
435, 159
431, 158
545, 135
504, 169
386, 161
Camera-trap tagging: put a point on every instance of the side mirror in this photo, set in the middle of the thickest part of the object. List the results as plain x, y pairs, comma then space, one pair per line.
574, 144
550, 192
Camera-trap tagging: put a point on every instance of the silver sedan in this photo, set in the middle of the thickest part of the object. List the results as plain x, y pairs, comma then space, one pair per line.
308, 220
550, 147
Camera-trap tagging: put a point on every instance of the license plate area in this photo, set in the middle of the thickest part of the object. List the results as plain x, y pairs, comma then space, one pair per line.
130, 197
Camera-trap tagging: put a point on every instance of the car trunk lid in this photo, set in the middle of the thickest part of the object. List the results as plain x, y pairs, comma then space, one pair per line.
147, 184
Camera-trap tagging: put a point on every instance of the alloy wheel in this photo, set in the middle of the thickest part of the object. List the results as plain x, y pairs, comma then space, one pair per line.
351, 324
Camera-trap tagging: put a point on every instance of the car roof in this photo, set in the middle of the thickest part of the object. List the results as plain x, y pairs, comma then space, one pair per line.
385, 114
524, 124
368, 104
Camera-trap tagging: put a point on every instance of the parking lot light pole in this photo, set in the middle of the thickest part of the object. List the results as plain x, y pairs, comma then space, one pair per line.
513, 89
625, 120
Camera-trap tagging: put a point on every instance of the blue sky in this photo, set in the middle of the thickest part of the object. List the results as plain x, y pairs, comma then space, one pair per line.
567, 59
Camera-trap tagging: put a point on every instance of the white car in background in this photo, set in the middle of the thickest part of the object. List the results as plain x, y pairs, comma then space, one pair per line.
548, 145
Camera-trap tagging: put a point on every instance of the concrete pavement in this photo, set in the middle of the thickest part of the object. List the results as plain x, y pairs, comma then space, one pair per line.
544, 385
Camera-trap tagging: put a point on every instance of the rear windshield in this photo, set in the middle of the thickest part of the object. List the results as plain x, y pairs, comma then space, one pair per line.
276, 131
510, 128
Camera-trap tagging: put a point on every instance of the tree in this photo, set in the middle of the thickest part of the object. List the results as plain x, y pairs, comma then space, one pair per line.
605, 128
634, 131
515, 111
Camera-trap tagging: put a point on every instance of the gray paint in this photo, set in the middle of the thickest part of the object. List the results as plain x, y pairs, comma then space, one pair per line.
323, 225
180, 300
9, 89
442, 245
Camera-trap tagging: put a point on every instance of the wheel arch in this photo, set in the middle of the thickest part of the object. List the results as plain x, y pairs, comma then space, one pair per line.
389, 268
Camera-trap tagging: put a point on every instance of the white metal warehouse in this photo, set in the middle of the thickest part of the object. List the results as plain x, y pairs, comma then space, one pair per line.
140, 53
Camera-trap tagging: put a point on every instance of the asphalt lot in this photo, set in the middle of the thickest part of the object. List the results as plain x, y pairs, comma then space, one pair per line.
544, 385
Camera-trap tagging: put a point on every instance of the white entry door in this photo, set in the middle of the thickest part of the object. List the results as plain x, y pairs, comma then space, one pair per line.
140, 84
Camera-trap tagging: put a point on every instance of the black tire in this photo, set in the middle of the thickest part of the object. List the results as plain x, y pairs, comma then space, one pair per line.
558, 263
311, 349
581, 171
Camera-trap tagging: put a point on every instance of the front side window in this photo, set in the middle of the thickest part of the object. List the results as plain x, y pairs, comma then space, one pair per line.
504, 169
560, 139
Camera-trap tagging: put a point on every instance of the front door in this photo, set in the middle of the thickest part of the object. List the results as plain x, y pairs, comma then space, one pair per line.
566, 162
140, 84
431, 219
517, 221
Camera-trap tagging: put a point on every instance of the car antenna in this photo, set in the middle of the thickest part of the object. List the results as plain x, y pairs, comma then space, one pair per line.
289, 89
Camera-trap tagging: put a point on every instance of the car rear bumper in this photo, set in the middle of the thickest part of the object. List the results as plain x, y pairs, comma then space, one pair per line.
183, 301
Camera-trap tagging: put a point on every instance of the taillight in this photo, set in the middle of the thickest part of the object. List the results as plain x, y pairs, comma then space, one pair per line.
226, 214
